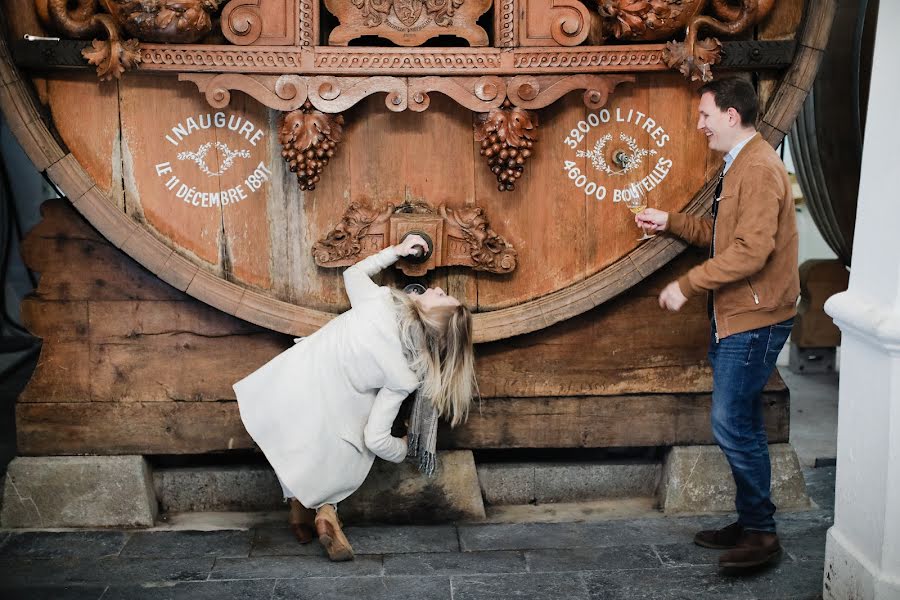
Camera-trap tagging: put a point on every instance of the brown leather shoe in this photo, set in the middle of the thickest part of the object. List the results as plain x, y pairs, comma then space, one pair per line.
302, 522
720, 539
755, 548
331, 536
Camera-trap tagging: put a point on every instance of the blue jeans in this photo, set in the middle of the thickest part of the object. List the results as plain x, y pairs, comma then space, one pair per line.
742, 364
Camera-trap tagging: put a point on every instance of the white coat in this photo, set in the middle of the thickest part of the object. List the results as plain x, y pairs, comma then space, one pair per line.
322, 410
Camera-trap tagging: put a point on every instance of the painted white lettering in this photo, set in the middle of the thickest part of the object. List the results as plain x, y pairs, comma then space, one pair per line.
219, 120
256, 137
163, 168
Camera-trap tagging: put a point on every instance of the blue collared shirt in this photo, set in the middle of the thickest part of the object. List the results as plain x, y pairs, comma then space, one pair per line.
733, 153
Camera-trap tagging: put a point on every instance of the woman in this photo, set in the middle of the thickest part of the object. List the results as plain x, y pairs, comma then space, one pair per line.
322, 410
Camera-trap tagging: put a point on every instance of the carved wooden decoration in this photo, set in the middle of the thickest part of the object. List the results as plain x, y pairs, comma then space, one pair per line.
408, 22
308, 140
166, 21
331, 94
461, 236
507, 135
661, 19
553, 22
270, 22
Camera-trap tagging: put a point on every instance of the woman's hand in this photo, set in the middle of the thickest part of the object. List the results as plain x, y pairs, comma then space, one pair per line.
408, 246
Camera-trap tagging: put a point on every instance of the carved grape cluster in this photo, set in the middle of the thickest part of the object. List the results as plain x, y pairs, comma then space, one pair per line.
308, 138
507, 135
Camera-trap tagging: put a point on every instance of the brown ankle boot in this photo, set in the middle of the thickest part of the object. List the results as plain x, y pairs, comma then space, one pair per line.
754, 549
331, 536
302, 522
720, 539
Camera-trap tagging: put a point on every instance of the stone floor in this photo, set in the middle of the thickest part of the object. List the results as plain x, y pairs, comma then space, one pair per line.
629, 559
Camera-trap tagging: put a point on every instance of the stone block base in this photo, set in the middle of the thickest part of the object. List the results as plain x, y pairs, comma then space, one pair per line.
400, 494
697, 479
391, 493
539, 483
78, 491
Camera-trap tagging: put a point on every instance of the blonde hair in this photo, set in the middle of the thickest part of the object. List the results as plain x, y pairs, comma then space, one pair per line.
438, 345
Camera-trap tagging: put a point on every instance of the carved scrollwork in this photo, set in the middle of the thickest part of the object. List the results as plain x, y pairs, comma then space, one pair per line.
571, 23
337, 94
538, 91
478, 94
461, 236
241, 22
284, 92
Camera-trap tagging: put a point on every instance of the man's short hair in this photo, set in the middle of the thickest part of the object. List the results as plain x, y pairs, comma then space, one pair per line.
736, 93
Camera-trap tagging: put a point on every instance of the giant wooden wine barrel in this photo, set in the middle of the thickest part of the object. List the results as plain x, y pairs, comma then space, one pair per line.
193, 259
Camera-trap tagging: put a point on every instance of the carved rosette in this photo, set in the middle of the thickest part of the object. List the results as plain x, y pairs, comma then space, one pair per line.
507, 135
308, 138
461, 236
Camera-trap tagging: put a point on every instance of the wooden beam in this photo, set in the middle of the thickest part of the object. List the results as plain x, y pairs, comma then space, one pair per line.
567, 422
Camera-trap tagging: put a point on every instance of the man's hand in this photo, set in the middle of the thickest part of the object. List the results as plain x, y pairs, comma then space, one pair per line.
652, 219
408, 245
671, 297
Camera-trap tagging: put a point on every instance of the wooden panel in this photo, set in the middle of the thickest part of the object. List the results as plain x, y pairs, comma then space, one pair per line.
627, 346
165, 351
199, 427
298, 219
64, 239
151, 106
542, 218
86, 116
596, 422
129, 428
246, 255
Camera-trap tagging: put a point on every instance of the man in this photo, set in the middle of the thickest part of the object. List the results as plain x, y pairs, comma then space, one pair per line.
752, 283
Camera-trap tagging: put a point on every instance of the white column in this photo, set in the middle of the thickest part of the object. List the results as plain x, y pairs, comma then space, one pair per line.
862, 557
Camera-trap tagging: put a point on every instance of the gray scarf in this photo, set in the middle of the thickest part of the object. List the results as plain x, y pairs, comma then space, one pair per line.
422, 434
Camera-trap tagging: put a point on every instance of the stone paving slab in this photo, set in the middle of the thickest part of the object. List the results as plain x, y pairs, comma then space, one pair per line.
294, 567
592, 559
280, 541
396, 540
70, 592
524, 536
634, 559
258, 589
789, 580
176, 544
527, 586
365, 588
454, 563
24, 572
695, 583
64, 544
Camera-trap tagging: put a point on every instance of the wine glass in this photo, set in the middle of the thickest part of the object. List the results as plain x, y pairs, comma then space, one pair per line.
636, 202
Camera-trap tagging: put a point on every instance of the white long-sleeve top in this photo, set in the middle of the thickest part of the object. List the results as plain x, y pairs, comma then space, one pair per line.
322, 410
